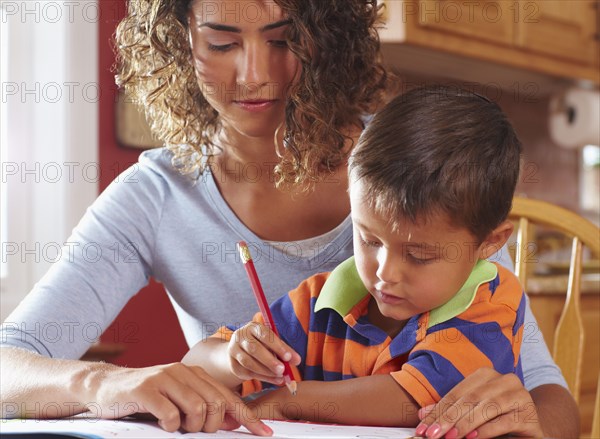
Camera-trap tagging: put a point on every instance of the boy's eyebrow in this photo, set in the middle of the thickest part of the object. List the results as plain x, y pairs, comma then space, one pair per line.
422, 245
237, 30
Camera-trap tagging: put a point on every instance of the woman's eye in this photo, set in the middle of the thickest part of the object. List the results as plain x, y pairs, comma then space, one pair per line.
220, 47
279, 43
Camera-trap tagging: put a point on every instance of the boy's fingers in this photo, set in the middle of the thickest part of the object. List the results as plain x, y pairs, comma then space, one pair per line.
254, 357
275, 344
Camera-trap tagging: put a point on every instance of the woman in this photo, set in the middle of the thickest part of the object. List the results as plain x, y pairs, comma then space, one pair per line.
258, 103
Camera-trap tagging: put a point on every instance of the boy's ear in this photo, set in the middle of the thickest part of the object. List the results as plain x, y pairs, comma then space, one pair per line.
496, 239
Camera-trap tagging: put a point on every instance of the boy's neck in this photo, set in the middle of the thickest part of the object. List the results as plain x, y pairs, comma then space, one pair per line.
391, 327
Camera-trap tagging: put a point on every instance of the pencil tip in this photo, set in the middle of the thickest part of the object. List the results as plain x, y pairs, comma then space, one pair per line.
292, 386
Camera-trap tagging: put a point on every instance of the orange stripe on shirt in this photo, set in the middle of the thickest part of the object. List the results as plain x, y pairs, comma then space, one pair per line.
300, 297
453, 345
415, 383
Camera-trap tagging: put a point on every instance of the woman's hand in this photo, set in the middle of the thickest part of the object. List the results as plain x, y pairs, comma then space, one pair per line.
255, 352
485, 404
179, 396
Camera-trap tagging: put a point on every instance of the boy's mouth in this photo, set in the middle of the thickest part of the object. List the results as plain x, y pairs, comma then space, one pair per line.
389, 299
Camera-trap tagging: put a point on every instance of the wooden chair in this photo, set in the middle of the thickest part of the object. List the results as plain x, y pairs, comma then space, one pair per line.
569, 335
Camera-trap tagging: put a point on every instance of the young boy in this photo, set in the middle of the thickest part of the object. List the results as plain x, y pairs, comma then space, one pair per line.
418, 307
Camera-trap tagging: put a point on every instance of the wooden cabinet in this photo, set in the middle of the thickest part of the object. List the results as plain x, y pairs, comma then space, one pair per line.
560, 29
551, 37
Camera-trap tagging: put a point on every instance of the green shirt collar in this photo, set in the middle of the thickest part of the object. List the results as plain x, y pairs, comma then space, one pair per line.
344, 289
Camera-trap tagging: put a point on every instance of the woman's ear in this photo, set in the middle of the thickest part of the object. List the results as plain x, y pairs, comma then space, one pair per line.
496, 239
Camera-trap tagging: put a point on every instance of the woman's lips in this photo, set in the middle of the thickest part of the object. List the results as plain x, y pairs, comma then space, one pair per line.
256, 105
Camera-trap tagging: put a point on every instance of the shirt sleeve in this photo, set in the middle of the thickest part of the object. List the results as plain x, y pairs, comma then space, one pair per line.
487, 334
106, 260
538, 366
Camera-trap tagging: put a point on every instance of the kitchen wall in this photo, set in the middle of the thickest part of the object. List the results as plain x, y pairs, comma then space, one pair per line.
549, 172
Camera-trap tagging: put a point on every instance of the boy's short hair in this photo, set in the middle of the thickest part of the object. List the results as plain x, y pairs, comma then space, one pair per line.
440, 150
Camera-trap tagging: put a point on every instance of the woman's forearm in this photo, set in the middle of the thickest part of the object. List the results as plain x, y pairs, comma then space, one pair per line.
34, 386
557, 411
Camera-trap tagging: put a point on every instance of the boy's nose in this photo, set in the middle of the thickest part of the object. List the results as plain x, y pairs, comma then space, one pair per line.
389, 268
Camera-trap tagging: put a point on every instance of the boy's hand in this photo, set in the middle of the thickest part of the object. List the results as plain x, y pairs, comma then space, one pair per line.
255, 352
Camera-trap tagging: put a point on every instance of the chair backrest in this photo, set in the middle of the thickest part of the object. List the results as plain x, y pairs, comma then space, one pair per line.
569, 335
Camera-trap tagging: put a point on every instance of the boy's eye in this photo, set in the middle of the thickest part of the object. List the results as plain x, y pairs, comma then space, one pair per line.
369, 243
419, 259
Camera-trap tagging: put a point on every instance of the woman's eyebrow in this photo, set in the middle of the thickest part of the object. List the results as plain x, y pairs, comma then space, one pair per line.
275, 25
237, 30
221, 27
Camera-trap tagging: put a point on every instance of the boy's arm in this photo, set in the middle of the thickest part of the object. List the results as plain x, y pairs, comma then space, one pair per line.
371, 400
211, 354
252, 352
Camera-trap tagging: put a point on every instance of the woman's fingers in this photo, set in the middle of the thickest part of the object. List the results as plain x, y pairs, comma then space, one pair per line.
438, 419
179, 396
232, 410
485, 404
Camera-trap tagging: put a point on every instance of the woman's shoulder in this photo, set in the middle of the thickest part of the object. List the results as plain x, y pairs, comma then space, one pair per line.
158, 161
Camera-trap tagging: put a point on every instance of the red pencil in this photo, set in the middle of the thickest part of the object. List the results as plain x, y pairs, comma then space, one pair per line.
264, 308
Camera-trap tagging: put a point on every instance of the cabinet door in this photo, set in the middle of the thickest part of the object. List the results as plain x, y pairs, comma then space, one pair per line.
559, 28
491, 21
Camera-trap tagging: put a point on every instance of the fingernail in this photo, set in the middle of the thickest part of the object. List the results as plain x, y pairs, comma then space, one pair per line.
472, 435
287, 356
267, 429
452, 433
421, 429
433, 432
279, 369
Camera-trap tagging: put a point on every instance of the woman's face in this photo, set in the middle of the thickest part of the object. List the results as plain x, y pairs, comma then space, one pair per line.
242, 62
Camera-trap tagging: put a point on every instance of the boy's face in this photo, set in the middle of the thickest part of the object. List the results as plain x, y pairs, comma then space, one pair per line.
413, 269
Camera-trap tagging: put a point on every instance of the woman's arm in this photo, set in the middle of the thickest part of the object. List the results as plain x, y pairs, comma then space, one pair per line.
372, 400
495, 404
33, 386
557, 411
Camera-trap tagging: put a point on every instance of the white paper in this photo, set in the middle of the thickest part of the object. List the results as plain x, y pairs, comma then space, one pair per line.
100, 428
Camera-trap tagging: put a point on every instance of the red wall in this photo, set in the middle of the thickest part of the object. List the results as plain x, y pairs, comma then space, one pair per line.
147, 326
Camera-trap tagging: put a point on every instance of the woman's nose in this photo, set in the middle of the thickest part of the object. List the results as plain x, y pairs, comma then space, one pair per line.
254, 67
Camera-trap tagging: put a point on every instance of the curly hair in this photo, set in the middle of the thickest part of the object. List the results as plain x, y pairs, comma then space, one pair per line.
342, 78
